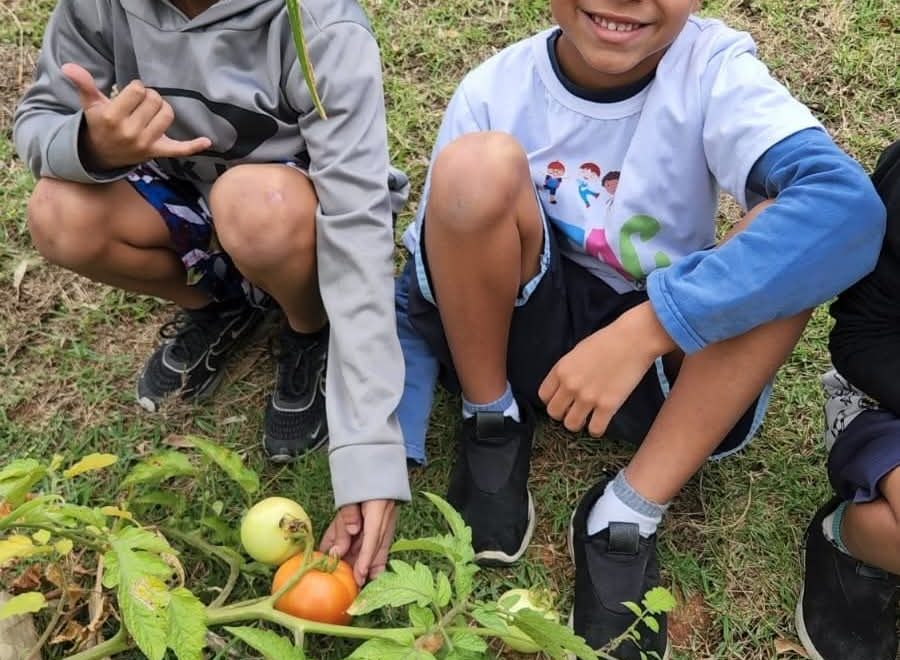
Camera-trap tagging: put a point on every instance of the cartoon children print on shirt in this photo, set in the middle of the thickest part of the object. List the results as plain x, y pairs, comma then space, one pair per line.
556, 172
587, 174
610, 183
642, 226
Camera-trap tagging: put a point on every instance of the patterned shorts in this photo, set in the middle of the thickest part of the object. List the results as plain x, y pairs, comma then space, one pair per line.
186, 213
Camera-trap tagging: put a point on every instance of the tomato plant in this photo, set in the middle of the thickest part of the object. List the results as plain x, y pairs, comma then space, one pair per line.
136, 565
320, 595
273, 530
516, 600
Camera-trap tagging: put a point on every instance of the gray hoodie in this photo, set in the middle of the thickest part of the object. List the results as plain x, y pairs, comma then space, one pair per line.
231, 74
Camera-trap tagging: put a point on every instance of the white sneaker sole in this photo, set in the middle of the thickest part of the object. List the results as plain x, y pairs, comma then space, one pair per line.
571, 656
802, 633
496, 557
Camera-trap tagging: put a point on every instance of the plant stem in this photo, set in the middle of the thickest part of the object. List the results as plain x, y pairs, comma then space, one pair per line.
115, 644
235, 563
221, 616
35, 653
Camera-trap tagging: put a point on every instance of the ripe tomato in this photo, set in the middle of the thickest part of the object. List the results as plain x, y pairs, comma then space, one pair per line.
266, 530
318, 596
525, 599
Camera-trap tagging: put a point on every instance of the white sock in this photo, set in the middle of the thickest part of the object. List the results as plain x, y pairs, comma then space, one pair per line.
505, 404
621, 503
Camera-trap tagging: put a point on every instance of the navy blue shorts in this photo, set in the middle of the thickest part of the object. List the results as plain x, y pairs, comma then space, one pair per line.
563, 305
864, 453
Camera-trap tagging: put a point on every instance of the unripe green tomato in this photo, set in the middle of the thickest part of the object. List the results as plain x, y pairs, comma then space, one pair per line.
525, 599
268, 529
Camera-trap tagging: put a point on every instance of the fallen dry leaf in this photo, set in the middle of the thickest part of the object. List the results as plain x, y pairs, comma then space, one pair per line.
73, 633
178, 441
785, 646
29, 580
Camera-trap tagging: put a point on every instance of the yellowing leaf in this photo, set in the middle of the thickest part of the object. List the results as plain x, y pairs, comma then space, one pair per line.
18, 547
41, 537
63, 546
116, 512
23, 604
89, 463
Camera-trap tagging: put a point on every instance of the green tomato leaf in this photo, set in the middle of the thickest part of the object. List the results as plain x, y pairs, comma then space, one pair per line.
230, 463
446, 546
23, 604
635, 608
136, 538
458, 527
41, 537
442, 592
553, 637
468, 642
187, 625
659, 600
70, 515
144, 602
158, 498
17, 478
384, 649
271, 645
158, 467
90, 463
651, 623
399, 586
490, 619
464, 580
421, 617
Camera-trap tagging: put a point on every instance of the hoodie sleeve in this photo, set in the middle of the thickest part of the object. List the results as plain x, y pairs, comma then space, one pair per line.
865, 340
349, 169
48, 119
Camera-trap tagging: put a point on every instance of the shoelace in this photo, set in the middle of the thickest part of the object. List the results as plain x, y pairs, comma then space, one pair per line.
295, 364
192, 332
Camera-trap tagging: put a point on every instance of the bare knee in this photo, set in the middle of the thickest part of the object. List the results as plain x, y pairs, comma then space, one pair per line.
67, 223
265, 215
476, 182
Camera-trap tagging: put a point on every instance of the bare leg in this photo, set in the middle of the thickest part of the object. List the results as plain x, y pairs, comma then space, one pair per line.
871, 531
265, 218
108, 233
714, 388
483, 242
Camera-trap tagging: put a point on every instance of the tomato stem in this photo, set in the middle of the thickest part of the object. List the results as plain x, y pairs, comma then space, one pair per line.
115, 644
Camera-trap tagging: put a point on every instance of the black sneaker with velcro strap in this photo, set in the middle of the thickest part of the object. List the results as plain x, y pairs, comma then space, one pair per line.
613, 566
196, 345
489, 484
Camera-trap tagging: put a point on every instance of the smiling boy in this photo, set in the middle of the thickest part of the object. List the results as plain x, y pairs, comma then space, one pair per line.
633, 323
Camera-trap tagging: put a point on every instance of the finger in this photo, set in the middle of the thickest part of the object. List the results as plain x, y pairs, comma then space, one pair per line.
146, 111
88, 94
599, 422
328, 538
351, 516
379, 562
166, 147
559, 405
549, 386
576, 417
128, 99
371, 540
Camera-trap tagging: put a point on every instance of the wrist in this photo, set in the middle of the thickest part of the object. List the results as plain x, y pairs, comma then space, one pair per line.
88, 152
642, 323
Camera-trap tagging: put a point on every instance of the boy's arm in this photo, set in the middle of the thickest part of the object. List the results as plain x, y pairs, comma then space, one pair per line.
865, 341
48, 120
822, 234
354, 234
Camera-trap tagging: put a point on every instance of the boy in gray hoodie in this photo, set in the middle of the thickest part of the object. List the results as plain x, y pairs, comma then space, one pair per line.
179, 155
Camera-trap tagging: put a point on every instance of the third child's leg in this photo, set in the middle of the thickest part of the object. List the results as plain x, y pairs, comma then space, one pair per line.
871, 531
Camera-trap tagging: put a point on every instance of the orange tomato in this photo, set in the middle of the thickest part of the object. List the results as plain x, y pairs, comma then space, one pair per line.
318, 596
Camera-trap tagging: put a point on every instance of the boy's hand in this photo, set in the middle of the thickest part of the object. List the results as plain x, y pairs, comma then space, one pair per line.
129, 129
594, 378
362, 534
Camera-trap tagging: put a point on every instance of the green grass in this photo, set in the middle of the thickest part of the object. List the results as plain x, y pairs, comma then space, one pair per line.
69, 349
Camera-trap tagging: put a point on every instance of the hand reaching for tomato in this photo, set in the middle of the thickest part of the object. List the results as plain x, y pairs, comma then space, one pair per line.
361, 534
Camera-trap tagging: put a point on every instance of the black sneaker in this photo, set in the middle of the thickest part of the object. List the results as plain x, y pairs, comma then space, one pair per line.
489, 484
196, 345
295, 414
847, 609
614, 566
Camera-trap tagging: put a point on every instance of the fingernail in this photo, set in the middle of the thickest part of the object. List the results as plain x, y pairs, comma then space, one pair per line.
353, 529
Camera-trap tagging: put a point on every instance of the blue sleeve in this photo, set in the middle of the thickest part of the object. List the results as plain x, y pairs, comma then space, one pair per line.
821, 235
